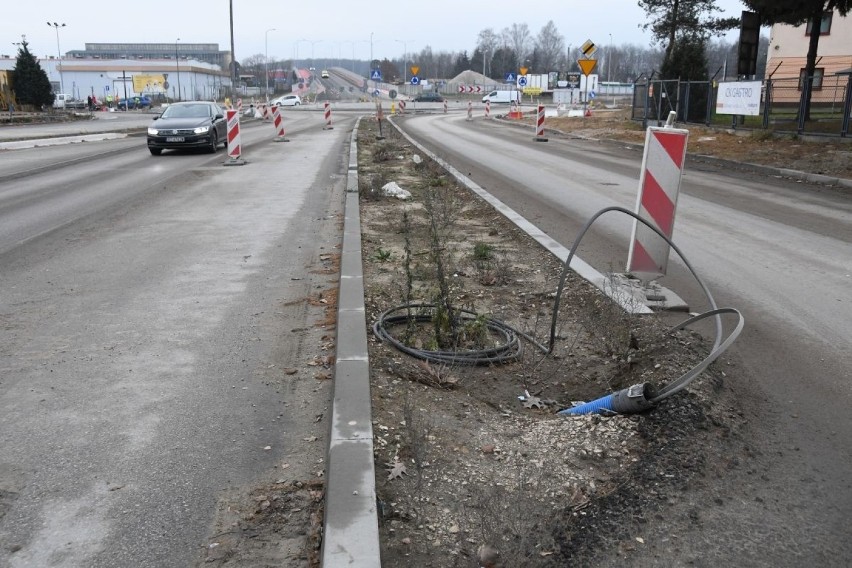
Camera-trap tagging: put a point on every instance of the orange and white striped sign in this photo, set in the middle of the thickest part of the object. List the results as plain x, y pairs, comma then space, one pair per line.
659, 186
234, 145
327, 109
278, 123
539, 125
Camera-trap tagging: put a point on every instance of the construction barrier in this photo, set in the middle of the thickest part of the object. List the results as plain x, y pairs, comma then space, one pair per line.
239, 105
278, 123
445, 107
659, 186
539, 125
515, 111
487, 109
234, 144
327, 107
469, 110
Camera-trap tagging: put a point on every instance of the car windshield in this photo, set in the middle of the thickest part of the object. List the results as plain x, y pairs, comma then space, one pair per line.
188, 111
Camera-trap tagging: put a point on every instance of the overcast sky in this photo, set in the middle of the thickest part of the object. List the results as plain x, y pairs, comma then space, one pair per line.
332, 28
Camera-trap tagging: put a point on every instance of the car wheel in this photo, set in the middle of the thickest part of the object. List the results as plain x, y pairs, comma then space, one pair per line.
214, 141
296, 104
155, 151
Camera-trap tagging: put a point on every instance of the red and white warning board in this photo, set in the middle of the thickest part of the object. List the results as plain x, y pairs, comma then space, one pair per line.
659, 185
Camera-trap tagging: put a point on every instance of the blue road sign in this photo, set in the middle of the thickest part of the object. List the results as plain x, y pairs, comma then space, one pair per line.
592, 94
522, 81
376, 75
510, 77
376, 93
415, 80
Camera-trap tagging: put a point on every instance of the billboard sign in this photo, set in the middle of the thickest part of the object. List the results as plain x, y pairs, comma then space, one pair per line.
153, 83
741, 98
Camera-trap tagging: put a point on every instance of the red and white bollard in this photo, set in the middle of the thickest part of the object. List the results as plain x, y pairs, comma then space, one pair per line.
278, 123
469, 110
659, 186
487, 109
539, 125
234, 144
445, 107
266, 114
327, 107
239, 105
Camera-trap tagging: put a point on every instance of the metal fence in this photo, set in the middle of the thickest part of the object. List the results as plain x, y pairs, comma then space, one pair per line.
783, 107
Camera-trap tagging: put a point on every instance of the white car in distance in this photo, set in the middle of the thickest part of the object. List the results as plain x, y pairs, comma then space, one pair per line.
286, 100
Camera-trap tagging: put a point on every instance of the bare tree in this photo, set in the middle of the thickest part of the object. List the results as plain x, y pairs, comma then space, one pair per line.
518, 38
549, 46
486, 44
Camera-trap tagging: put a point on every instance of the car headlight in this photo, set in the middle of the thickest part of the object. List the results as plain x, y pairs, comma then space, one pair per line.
153, 131
202, 130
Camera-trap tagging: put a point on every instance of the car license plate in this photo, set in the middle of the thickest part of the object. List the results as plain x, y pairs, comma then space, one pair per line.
175, 139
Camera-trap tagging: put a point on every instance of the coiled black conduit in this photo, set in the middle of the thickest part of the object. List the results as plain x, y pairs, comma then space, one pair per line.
512, 348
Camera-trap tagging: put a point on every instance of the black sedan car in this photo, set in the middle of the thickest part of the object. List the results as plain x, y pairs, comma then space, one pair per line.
428, 98
197, 124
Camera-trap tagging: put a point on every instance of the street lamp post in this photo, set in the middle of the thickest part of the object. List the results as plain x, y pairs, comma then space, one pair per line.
233, 57
177, 69
353, 52
266, 59
313, 43
56, 26
609, 69
296, 52
404, 60
484, 53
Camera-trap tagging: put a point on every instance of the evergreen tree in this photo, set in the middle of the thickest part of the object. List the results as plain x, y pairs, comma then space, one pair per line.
688, 62
669, 20
29, 81
462, 63
504, 61
796, 13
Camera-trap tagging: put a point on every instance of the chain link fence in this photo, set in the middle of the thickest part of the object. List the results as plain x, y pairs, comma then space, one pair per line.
784, 105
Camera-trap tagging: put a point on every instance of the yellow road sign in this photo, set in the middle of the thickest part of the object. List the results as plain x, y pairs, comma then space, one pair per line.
415, 70
532, 90
588, 48
587, 65
523, 70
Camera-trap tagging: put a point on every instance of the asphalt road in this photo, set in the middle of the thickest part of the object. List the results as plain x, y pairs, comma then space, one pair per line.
779, 251
148, 308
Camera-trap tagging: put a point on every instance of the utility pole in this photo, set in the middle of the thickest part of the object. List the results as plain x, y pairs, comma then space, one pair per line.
177, 68
266, 60
233, 57
609, 69
404, 60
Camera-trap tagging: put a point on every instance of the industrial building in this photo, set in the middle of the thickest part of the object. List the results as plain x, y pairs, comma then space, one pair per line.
161, 71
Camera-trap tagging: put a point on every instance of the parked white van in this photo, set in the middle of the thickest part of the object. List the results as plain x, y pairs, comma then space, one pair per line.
63, 100
503, 97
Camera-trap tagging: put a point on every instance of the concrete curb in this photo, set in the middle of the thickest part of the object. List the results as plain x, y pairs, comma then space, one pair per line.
351, 529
